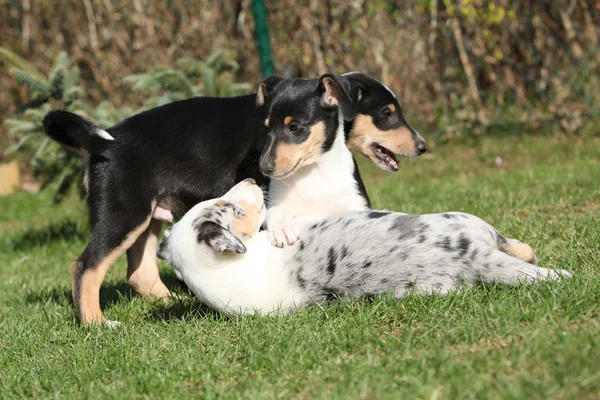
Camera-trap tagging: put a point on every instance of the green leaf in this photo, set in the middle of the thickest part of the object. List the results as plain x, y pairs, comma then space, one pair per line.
31, 82
13, 59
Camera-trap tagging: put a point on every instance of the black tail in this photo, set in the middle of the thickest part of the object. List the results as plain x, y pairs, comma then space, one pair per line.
76, 132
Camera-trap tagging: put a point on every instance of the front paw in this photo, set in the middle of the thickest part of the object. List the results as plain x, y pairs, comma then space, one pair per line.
283, 232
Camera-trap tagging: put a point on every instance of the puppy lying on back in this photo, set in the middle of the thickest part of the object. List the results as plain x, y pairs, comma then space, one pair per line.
217, 250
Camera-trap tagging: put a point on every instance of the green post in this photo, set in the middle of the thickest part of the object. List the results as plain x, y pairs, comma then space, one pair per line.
261, 33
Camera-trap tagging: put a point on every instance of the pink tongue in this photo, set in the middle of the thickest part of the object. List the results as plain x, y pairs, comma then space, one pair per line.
388, 157
162, 214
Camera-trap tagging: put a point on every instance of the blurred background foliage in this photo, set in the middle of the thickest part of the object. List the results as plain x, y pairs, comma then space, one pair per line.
459, 67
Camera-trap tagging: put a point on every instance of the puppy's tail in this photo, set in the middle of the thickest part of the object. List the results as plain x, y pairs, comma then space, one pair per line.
73, 131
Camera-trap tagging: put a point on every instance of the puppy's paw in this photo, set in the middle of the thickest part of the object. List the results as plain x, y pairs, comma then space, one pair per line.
282, 232
559, 274
553, 274
113, 324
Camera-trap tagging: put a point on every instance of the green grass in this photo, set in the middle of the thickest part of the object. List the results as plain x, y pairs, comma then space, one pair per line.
540, 342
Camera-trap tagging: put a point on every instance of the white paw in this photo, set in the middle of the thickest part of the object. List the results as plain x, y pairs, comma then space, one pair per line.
282, 232
559, 274
552, 274
112, 324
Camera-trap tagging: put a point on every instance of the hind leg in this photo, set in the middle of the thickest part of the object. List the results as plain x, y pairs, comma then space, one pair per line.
109, 239
142, 267
497, 266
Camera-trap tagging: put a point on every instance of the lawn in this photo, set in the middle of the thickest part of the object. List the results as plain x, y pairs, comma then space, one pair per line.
541, 341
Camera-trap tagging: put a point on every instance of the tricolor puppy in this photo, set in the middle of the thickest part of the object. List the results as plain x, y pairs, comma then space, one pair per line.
306, 155
217, 250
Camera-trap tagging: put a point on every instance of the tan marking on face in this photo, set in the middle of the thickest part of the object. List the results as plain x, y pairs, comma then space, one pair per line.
267, 122
364, 133
91, 279
287, 120
289, 157
392, 107
142, 267
220, 203
247, 225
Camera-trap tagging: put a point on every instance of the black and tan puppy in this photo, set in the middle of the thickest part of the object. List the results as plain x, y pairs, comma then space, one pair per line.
174, 156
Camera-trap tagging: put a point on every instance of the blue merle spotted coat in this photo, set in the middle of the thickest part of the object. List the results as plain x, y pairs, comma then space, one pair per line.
346, 254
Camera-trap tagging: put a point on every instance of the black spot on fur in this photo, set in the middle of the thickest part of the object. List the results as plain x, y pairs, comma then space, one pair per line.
474, 253
301, 281
449, 216
331, 260
422, 228
406, 225
377, 214
444, 243
344, 252
207, 231
301, 245
409, 285
404, 255
463, 244
501, 240
367, 264
459, 279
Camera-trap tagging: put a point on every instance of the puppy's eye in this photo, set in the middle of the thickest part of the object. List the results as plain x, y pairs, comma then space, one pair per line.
386, 113
293, 127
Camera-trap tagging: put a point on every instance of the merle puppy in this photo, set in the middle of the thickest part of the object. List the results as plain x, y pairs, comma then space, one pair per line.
217, 249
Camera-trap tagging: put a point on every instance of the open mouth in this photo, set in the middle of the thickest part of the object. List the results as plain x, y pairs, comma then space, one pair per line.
386, 157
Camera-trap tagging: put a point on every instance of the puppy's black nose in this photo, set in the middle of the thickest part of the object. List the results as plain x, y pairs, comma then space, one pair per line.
421, 147
267, 167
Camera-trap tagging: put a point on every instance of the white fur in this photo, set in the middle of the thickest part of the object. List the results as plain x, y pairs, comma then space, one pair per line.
350, 253
317, 190
104, 135
234, 284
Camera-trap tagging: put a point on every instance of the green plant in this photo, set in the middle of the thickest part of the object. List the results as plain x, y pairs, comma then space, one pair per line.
51, 163
213, 77
61, 168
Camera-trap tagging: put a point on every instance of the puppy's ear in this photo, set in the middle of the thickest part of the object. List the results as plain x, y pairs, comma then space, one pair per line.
219, 238
266, 87
335, 91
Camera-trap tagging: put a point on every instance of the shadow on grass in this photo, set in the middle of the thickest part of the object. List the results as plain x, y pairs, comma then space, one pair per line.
109, 294
65, 230
181, 310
